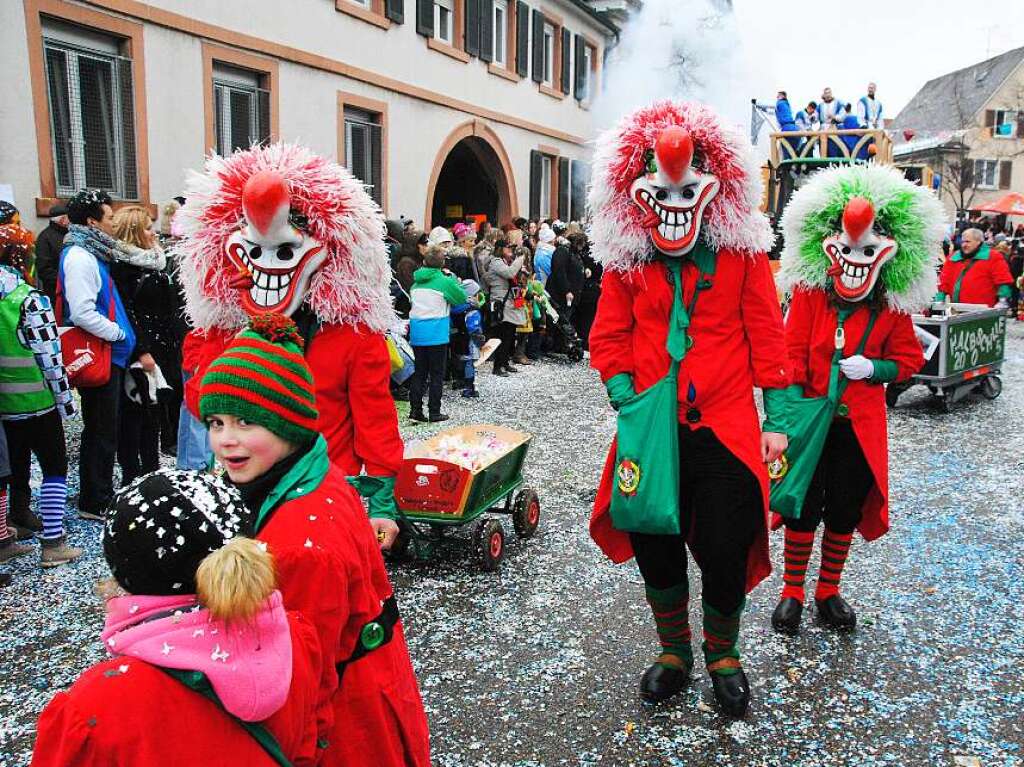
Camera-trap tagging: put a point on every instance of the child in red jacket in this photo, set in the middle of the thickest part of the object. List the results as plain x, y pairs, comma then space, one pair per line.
207, 667
259, 402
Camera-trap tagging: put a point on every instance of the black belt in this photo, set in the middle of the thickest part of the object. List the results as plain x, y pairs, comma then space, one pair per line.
374, 634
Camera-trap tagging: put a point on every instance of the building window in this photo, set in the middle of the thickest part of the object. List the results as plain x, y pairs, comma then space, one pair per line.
242, 109
500, 31
363, 142
549, 55
92, 118
361, 3
588, 63
985, 173
444, 20
1005, 123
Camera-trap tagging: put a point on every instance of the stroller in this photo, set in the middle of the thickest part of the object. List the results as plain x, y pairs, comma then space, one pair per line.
562, 336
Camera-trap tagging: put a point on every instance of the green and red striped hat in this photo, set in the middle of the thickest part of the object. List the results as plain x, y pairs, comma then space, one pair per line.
262, 377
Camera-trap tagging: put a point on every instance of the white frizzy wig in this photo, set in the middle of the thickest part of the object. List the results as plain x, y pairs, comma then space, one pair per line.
905, 212
352, 286
732, 219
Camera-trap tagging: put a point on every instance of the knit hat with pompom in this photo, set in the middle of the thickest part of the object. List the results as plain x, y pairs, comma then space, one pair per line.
262, 377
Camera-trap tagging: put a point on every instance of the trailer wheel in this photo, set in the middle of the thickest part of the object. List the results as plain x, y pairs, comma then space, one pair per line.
991, 387
490, 544
400, 547
526, 516
892, 394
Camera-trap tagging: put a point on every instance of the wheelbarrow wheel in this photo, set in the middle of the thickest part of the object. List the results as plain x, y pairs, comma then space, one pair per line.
991, 387
490, 544
526, 516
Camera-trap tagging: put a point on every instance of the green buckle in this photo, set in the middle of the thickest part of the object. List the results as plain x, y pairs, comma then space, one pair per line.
843, 410
372, 635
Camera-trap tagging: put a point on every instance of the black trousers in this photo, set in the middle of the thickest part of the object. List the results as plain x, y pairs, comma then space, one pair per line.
138, 443
43, 437
506, 331
721, 512
840, 485
101, 409
429, 376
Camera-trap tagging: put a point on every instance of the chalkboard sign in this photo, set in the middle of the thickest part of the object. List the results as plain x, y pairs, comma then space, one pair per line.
975, 343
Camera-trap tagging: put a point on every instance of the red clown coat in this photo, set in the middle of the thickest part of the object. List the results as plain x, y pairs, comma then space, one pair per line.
810, 336
737, 345
980, 277
351, 370
124, 712
331, 570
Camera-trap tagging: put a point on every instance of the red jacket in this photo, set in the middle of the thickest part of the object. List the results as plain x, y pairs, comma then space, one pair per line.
983, 275
737, 344
810, 336
124, 712
352, 372
331, 570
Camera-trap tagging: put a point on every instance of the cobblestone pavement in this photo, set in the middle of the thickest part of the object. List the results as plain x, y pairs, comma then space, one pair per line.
539, 663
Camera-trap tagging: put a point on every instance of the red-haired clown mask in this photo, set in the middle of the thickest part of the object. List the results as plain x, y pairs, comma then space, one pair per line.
857, 252
674, 192
275, 258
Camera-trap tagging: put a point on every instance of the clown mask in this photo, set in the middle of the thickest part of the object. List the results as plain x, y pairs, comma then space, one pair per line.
858, 252
674, 192
275, 259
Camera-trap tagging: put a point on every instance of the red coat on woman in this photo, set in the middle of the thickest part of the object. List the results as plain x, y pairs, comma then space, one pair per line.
331, 570
737, 344
810, 335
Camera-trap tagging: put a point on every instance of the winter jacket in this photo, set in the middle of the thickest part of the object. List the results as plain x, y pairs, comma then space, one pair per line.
129, 711
810, 339
981, 279
461, 264
542, 261
566, 275
406, 268
331, 570
49, 245
738, 343
501, 279
784, 115
433, 294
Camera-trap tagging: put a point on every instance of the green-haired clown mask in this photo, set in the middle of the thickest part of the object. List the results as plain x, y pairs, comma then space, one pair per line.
858, 251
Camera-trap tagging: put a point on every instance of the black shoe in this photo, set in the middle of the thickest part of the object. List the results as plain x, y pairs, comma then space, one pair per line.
470, 393
786, 618
732, 691
511, 369
837, 613
660, 682
438, 417
501, 373
417, 415
25, 519
5, 579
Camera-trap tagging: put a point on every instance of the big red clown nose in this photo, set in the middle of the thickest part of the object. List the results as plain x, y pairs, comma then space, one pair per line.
674, 150
858, 217
266, 201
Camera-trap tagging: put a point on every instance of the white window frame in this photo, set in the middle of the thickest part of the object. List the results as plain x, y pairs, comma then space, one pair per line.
372, 121
444, 8
990, 168
546, 165
361, 3
1008, 116
500, 44
549, 54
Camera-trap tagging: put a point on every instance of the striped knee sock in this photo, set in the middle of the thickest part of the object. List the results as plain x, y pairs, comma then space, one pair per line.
671, 616
834, 548
721, 638
53, 498
797, 553
4, 532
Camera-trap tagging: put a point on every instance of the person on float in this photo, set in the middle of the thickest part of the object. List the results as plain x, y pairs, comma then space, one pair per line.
860, 256
206, 665
280, 229
973, 275
869, 110
259, 402
830, 110
674, 201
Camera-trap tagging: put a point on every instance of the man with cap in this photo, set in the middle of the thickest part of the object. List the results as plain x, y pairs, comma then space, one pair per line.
49, 244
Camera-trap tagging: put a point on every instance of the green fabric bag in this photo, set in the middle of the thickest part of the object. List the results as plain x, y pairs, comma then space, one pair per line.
810, 419
645, 491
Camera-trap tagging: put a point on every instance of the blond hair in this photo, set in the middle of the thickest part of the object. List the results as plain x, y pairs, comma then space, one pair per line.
167, 215
235, 581
130, 225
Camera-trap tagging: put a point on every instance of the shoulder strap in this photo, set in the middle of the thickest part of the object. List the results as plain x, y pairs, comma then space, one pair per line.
837, 384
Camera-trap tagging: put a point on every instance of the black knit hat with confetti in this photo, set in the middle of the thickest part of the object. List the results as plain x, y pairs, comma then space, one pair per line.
163, 525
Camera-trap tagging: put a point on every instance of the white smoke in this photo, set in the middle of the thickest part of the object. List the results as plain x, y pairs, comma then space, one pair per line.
685, 50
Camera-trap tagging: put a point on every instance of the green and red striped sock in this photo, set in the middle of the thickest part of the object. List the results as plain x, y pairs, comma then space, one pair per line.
834, 549
721, 637
797, 554
671, 616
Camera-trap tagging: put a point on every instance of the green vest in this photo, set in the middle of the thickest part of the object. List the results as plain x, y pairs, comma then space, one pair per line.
22, 387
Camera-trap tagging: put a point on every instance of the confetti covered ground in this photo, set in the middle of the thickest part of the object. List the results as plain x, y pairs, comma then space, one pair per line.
539, 664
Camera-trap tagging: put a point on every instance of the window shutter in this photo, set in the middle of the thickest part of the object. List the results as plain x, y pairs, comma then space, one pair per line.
395, 10
60, 117
263, 116
522, 39
581, 63
376, 163
538, 46
1020, 124
1005, 172
578, 193
472, 27
128, 166
566, 60
536, 174
563, 188
967, 173
990, 118
425, 17
487, 30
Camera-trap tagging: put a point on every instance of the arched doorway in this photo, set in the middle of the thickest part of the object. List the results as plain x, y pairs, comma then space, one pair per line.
471, 177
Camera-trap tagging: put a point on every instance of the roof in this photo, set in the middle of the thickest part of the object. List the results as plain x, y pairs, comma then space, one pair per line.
600, 18
932, 111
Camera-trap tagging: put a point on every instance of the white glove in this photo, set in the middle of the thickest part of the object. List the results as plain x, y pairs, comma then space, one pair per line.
1002, 303
857, 367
